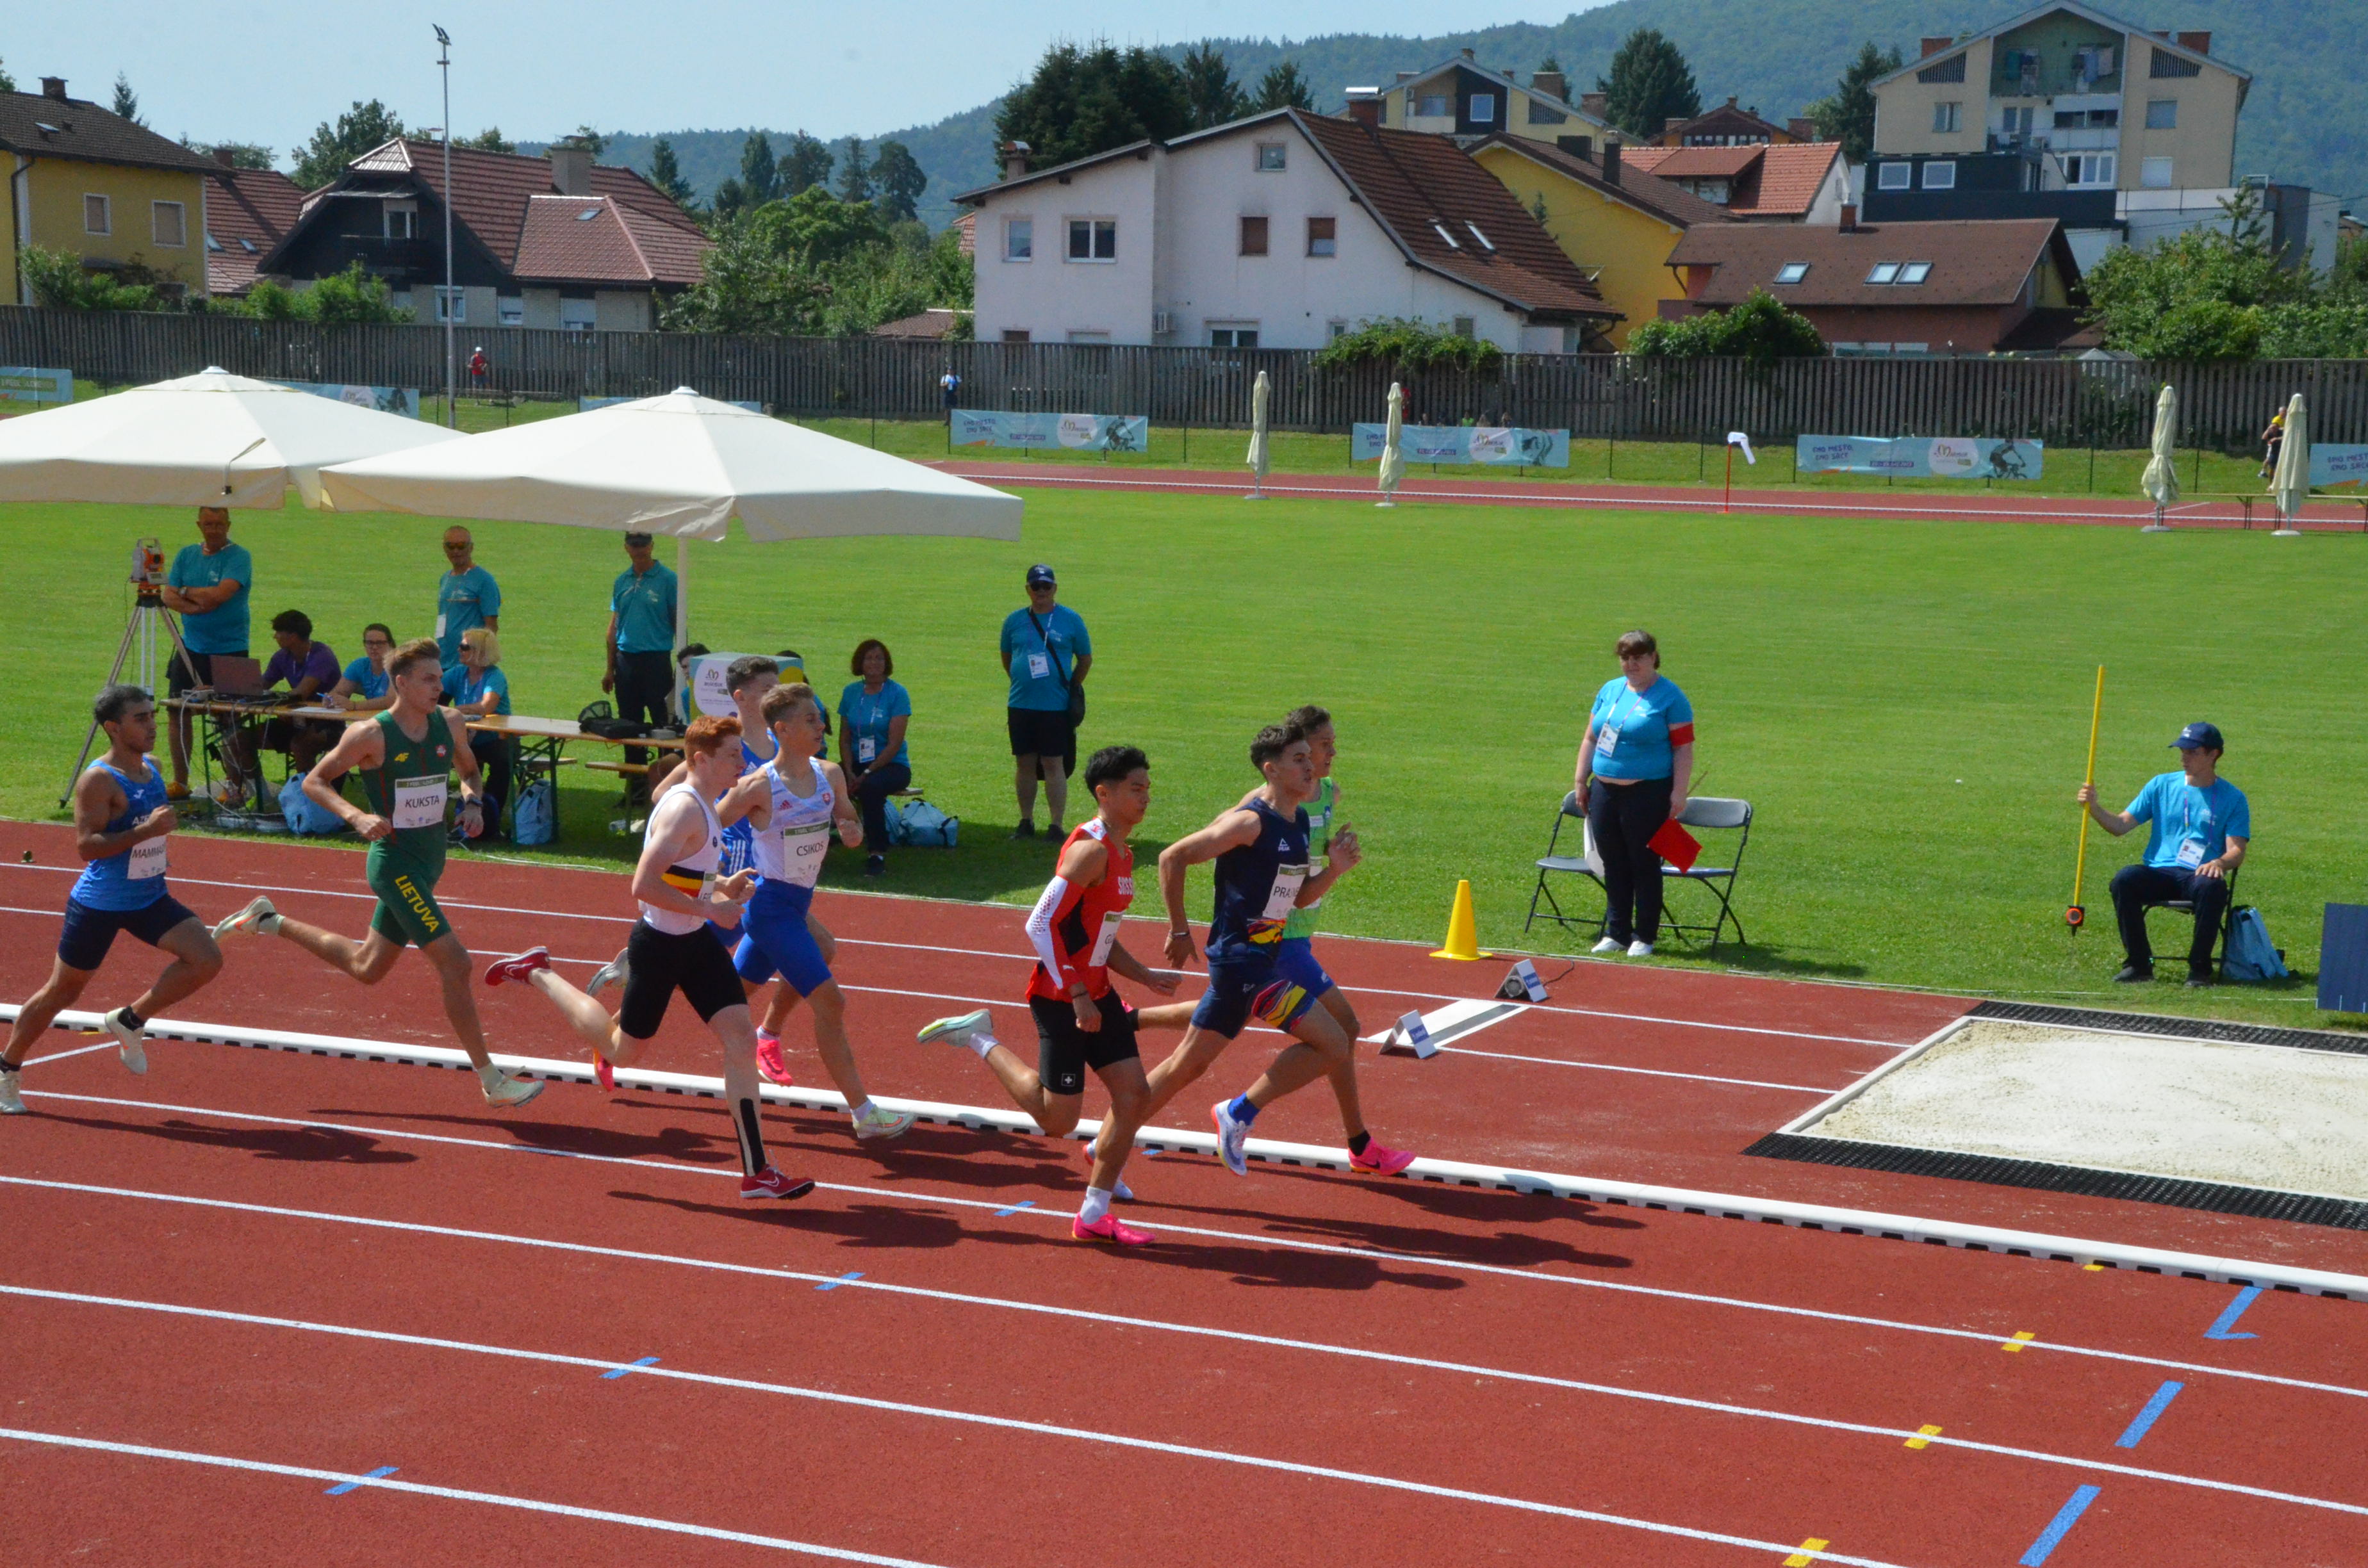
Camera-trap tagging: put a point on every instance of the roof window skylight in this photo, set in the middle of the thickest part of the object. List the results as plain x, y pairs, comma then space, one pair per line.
1440, 230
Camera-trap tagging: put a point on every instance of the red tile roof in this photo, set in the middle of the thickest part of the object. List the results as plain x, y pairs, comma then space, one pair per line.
1694, 162
248, 212
1646, 192
1779, 181
1975, 262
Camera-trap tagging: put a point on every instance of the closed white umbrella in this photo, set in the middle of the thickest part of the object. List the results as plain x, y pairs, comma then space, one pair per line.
1392, 458
2161, 480
680, 464
1260, 393
210, 439
2291, 484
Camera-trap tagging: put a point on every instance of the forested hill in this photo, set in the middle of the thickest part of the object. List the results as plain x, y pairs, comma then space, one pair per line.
2306, 122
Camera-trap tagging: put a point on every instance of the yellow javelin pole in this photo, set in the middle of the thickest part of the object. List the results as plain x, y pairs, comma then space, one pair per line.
2076, 914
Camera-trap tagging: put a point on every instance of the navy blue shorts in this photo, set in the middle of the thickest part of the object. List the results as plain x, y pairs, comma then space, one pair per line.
775, 940
89, 933
1263, 988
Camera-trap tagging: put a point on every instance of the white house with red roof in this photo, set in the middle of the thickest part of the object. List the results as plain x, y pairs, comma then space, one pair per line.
543, 242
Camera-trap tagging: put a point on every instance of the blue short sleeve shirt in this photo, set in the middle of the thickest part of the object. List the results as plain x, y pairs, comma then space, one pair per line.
2187, 826
1637, 732
369, 681
1040, 663
867, 713
465, 599
463, 685
222, 629
644, 606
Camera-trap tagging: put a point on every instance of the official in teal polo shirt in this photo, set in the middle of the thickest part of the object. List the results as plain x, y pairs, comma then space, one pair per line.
641, 640
1045, 652
2198, 828
207, 587
466, 597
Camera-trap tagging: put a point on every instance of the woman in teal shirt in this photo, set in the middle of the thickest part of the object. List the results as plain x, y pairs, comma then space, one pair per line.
477, 687
1634, 768
872, 713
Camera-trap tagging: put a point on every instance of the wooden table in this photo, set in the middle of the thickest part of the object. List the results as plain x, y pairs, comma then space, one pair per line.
542, 742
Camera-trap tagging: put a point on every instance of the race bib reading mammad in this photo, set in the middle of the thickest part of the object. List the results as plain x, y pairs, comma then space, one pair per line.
147, 860
419, 803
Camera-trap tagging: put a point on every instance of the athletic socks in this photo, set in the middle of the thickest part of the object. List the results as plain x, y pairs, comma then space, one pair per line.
752, 1139
1096, 1204
855, 1113
1357, 1145
1241, 1111
979, 1041
131, 1019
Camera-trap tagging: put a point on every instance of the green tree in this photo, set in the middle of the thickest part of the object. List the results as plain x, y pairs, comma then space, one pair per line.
333, 146
897, 180
731, 200
1210, 88
759, 177
1760, 329
7, 83
807, 162
1650, 84
1283, 87
854, 173
489, 139
2348, 282
666, 173
1848, 115
2199, 295
59, 281
242, 155
1408, 347
593, 139
342, 298
1083, 101
127, 102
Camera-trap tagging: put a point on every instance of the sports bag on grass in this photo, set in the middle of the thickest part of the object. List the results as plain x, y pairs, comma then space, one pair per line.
2250, 954
535, 818
928, 827
302, 813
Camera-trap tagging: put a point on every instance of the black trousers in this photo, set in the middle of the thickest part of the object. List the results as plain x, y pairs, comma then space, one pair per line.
494, 755
1624, 818
871, 798
644, 687
2135, 887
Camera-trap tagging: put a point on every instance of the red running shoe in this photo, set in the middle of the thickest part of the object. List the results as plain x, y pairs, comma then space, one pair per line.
770, 1064
504, 970
770, 1183
1110, 1228
1379, 1161
602, 1070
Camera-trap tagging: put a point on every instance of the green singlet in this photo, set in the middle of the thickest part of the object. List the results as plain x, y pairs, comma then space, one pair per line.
1300, 924
408, 790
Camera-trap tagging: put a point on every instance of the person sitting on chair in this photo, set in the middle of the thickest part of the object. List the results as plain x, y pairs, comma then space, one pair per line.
310, 668
477, 687
2200, 827
364, 688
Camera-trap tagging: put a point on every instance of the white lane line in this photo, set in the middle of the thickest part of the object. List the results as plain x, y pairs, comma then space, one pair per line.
461, 1494
1646, 1072
1332, 1249
1090, 1435
1017, 956
62, 1055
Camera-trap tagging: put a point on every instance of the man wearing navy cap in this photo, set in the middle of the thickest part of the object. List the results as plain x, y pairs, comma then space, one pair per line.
2200, 825
1046, 652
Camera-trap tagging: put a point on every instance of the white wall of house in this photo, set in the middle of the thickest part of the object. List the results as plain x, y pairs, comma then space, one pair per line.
1049, 297
1832, 196
622, 310
477, 310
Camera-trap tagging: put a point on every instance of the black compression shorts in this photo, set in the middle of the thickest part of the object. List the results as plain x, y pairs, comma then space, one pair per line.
658, 963
1064, 1050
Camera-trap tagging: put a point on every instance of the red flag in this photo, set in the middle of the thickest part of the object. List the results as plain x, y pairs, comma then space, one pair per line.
1674, 844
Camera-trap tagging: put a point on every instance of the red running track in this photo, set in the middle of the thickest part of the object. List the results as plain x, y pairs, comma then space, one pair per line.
248, 1259
2325, 516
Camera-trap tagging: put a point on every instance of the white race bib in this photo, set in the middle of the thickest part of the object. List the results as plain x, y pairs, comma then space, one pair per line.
802, 852
2191, 852
439, 624
1110, 923
1040, 667
147, 860
1284, 896
419, 803
865, 748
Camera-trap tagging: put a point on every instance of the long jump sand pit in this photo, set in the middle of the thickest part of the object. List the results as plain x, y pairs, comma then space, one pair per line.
2128, 1114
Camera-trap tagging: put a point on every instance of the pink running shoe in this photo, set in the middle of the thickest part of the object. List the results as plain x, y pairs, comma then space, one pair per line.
770, 1183
1110, 1228
502, 971
607, 1074
1379, 1161
770, 1064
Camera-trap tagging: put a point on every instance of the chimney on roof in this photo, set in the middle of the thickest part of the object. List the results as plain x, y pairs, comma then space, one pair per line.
1550, 83
1730, 100
571, 167
1669, 125
1801, 129
1365, 107
1469, 55
1610, 160
1849, 218
1015, 159
1405, 76
1577, 146
223, 156
54, 87
2200, 42
1596, 103
1935, 45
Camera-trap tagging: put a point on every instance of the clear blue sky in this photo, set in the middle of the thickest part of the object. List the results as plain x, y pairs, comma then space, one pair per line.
269, 71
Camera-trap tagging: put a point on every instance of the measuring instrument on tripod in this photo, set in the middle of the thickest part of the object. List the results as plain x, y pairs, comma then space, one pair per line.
141, 642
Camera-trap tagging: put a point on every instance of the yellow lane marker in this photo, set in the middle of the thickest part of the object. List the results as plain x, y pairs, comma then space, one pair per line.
2020, 1339
1807, 1554
1924, 1436
2093, 1268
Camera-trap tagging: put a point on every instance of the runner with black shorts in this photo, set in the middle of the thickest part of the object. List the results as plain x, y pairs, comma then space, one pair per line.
1081, 1022
1262, 851
675, 947
120, 823
405, 757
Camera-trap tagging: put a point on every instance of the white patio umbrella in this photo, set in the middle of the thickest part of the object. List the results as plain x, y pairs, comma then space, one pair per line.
680, 464
210, 439
2291, 484
1260, 393
2160, 478
1392, 458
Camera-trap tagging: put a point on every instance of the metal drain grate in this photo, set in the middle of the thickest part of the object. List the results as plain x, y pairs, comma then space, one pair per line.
2179, 1028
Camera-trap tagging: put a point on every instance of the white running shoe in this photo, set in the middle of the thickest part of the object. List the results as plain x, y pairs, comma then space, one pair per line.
876, 1124
1231, 1136
130, 1043
257, 919
1121, 1192
613, 972
12, 1101
957, 1031
1640, 950
1609, 945
501, 1089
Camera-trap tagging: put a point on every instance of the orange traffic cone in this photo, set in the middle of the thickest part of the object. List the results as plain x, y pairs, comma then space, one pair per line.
1463, 936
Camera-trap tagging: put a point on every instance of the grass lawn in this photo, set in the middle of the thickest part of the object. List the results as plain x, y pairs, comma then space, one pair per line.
1906, 704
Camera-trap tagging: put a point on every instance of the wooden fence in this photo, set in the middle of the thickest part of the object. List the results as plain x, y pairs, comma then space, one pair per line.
2065, 402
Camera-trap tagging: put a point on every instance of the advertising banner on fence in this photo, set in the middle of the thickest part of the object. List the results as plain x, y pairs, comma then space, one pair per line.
386, 399
1042, 432
587, 404
1467, 444
1921, 457
2329, 464
23, 383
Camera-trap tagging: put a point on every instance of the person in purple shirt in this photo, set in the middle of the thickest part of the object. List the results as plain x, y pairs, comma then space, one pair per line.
311, 669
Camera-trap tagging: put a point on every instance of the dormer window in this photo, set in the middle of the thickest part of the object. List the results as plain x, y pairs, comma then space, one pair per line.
1792, 272
1483, 109
1432, 105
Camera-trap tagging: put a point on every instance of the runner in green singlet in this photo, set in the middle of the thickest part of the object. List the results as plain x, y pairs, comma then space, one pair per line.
405, 756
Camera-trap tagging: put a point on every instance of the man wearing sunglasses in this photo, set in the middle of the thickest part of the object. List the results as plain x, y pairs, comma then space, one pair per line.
466, 597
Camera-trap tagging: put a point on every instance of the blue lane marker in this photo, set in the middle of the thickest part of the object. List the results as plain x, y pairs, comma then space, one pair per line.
835, 1284
2066, 1517
345, 1486
621, 1371
2227, 1320
1026, 1203
2146, 1417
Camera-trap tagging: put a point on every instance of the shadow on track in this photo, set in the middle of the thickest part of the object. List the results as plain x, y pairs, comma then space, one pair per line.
316, 1145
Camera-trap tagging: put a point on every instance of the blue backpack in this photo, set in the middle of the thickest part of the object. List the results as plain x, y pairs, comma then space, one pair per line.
302, 813
535, 818
924, 825
2250, 954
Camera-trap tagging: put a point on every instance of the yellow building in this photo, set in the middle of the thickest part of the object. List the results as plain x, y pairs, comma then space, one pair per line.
1616, 223
97, 186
